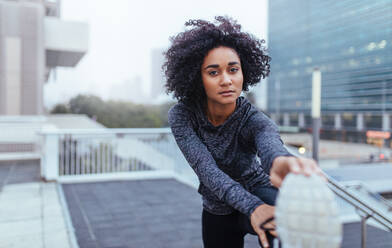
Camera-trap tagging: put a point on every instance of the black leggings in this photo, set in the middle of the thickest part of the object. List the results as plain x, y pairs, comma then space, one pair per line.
228, 231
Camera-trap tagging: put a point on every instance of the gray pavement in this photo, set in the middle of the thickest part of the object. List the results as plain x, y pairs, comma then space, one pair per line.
376, 238
12, 172
148, 213
30, 211
158, 213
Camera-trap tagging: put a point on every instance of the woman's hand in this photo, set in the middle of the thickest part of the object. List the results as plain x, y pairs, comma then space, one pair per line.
283, 165
259, 215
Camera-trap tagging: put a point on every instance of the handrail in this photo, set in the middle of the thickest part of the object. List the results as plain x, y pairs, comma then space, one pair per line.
361, 185
369, 211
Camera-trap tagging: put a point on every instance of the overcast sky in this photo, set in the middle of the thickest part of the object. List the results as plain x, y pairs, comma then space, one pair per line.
124, 32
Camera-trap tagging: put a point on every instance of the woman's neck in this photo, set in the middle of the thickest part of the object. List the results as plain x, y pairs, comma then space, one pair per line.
217, 114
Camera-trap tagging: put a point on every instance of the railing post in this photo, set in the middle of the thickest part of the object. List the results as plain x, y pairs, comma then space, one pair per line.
364, 218
50, 161
363, 232
316, 112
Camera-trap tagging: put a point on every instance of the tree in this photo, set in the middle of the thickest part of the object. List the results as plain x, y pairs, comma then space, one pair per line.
118, 114
60, 109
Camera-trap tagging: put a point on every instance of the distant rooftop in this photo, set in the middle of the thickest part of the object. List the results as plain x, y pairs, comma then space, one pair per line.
72, 121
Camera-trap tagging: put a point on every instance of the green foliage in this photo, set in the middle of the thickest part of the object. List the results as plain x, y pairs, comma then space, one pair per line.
117, 114
60, 109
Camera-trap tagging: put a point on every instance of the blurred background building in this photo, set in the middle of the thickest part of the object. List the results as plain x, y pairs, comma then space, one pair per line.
33, 42
157, 76
351, 43
157, 91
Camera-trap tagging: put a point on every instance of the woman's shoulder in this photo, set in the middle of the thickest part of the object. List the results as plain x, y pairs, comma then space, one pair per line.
254, 115
179, 108
256, 121
180, 111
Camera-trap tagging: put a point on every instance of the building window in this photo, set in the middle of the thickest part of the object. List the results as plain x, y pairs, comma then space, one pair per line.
349, 120
293, 119
328, 121
308, 120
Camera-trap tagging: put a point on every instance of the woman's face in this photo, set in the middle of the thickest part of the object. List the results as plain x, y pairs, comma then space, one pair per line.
222, 75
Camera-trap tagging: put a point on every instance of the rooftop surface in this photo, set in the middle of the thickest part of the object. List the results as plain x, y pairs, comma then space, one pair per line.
31, 214
143, 213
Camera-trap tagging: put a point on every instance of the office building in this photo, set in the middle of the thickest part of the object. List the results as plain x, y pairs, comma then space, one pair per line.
351, 43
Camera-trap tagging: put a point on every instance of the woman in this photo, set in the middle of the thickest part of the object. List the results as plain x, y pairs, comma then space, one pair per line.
233, 148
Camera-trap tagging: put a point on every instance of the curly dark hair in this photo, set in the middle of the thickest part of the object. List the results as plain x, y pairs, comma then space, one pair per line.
186, 54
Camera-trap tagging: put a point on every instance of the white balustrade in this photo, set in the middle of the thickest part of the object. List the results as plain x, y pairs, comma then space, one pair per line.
105, 152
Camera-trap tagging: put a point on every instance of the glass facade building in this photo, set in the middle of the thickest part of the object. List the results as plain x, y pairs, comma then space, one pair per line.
350, 41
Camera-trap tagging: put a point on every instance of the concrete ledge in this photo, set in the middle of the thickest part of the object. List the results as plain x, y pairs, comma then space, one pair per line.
19, 156
115, 176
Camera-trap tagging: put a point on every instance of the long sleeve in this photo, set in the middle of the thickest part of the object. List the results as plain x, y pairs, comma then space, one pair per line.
264, 132
204, 165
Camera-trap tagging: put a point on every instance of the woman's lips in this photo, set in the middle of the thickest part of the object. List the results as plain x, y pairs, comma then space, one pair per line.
227, 93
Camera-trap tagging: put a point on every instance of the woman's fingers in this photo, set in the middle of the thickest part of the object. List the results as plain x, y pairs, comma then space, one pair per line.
294, 166
307, 166
276, 180
281, 167
263, 239
310, 167
271, 225
284, 165
273, 233
259, 216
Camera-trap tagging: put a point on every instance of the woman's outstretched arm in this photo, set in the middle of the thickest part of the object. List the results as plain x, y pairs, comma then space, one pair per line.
204, 165
265, 136
275, 159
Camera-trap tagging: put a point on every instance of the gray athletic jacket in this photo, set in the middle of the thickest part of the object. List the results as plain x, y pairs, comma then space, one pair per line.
229, 159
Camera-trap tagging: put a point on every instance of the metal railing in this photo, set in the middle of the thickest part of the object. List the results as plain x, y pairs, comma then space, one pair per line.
361, 187
363, 209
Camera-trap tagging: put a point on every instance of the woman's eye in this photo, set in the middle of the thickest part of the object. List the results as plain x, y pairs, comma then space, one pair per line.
213, 73
234, 69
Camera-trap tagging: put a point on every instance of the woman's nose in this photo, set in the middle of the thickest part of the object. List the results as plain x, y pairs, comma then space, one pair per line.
226, 80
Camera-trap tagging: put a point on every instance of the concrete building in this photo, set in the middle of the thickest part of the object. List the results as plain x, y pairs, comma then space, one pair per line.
34, 41
351, 43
